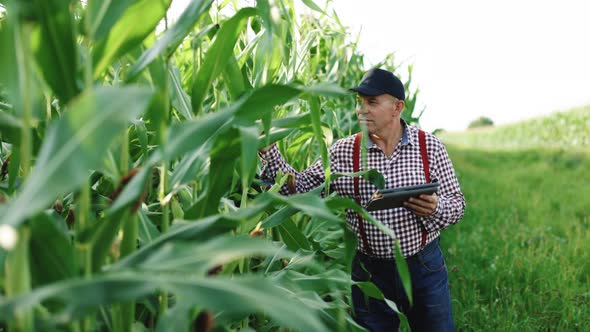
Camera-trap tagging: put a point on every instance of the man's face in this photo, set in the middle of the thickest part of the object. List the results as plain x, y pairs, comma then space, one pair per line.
378, 113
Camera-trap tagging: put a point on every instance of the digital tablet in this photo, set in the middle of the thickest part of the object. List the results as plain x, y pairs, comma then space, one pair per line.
393, 198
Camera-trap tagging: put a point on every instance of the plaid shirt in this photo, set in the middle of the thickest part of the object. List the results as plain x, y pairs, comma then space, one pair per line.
404, 168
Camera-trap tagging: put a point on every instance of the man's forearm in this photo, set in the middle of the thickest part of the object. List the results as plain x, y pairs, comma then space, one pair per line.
302, 181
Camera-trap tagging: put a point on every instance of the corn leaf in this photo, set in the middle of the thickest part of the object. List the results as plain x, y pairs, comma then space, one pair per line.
262, 102
52, 254
292, 236
55, 47
183, 138
103, 236
249, 157
199, 230
198, 257
313, 5
237, 296
371, 175
218, 56
173, 37
13, 169
341, 203
235, 81
350, 247
103, 14
19, 81
177, 318
139, 20
404, 271
147, 231
315, 107
373, 291
10, 127
190, 135
133, 189
311, 204
180, 99
279, 217
219, 179
76, 144
9, 47
273, 136
320, 282
326, 89
191, 166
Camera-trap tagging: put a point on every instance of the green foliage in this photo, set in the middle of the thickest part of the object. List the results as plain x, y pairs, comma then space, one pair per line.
520, 259
126, 33
55, 48
560, 129
172, 38
129, 162
218, 56
70, 150
482, 121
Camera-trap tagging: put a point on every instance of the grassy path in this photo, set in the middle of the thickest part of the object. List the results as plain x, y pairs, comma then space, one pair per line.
520, 258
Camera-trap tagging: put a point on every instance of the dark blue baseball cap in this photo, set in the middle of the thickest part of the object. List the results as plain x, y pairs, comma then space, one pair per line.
378, 81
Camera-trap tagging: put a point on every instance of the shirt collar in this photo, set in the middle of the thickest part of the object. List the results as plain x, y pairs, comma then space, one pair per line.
405, 137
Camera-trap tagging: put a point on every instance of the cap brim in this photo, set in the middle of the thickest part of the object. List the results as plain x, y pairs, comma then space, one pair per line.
367, 90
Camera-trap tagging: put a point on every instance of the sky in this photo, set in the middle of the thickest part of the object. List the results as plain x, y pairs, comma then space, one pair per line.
508, 60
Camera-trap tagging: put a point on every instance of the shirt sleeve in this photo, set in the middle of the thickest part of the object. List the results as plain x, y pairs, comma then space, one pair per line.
451, 202
304, 181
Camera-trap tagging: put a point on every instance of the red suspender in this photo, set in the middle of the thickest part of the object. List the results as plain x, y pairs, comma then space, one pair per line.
356, 158
424, 154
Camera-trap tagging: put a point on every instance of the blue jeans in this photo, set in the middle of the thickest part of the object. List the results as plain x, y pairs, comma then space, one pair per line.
431, 310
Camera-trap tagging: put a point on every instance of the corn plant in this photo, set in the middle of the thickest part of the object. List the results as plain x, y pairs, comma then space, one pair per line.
129, 196
563, 129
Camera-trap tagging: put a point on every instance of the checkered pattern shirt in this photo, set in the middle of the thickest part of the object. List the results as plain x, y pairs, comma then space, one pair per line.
403, 168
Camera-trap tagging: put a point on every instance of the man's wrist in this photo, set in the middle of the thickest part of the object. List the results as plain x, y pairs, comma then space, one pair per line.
437, 210
266, 152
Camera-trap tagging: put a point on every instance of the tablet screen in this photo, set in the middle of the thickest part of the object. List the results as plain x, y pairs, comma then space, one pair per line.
395, 197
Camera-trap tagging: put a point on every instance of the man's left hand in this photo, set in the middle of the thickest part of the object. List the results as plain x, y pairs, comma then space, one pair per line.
424, 206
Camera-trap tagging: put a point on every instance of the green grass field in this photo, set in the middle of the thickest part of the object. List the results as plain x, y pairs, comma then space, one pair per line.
520, 258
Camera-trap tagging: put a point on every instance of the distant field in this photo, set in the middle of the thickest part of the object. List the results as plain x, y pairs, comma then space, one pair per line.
562, 129
520, 258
